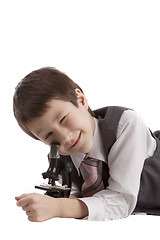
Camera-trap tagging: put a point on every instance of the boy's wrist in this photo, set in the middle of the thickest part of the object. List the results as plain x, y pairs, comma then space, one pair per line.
72, 208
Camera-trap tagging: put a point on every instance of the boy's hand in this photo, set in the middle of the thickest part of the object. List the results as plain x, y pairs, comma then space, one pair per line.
39, 207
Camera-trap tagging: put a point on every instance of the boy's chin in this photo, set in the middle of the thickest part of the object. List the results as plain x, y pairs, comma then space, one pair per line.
84, 149
87, 148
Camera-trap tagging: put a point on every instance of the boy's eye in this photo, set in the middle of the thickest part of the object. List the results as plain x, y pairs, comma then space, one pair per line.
48, 135
62, 119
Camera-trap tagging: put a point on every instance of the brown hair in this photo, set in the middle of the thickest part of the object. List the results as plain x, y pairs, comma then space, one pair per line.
36, 89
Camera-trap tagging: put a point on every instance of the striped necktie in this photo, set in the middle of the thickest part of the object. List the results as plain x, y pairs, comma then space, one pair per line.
91, 170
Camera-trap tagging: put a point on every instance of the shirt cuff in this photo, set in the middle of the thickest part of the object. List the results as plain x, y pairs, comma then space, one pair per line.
95, 208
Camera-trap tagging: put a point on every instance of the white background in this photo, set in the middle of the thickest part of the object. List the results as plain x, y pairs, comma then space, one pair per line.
112, 50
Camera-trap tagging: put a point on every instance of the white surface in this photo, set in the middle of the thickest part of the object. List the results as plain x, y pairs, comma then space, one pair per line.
111, 49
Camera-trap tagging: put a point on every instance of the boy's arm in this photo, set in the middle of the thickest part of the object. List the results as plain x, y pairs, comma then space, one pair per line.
40, 207
73, 208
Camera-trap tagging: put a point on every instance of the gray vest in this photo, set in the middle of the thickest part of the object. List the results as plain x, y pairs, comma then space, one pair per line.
149, 192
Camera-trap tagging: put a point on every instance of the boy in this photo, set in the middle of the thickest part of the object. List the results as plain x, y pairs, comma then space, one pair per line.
116, 158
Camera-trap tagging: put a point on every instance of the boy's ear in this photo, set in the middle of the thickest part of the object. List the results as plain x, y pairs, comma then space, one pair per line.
81, 99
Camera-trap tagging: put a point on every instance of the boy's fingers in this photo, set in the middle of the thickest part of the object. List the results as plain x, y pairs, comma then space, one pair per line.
26, 208
25, 200
22, 196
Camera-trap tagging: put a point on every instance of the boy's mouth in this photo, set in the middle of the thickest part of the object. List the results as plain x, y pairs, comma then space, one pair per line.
77, 141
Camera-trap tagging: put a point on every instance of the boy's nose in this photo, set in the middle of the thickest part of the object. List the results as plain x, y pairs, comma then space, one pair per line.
64, 137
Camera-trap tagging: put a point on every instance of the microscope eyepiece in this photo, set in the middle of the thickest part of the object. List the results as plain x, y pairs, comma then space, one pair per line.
54, 150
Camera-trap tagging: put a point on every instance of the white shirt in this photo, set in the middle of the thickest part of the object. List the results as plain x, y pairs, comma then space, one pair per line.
134, 143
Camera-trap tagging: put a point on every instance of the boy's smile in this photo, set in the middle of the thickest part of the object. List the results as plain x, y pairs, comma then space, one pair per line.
72, 127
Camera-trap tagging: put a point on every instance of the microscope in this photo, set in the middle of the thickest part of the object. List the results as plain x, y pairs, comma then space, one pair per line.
57, 168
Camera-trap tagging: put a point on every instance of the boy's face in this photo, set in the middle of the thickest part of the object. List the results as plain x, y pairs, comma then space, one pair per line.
70, 126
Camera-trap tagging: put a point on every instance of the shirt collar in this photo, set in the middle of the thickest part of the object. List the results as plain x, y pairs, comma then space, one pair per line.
97, 150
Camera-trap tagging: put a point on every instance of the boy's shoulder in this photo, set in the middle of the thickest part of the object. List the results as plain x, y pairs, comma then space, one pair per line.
110, 116
110, 112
